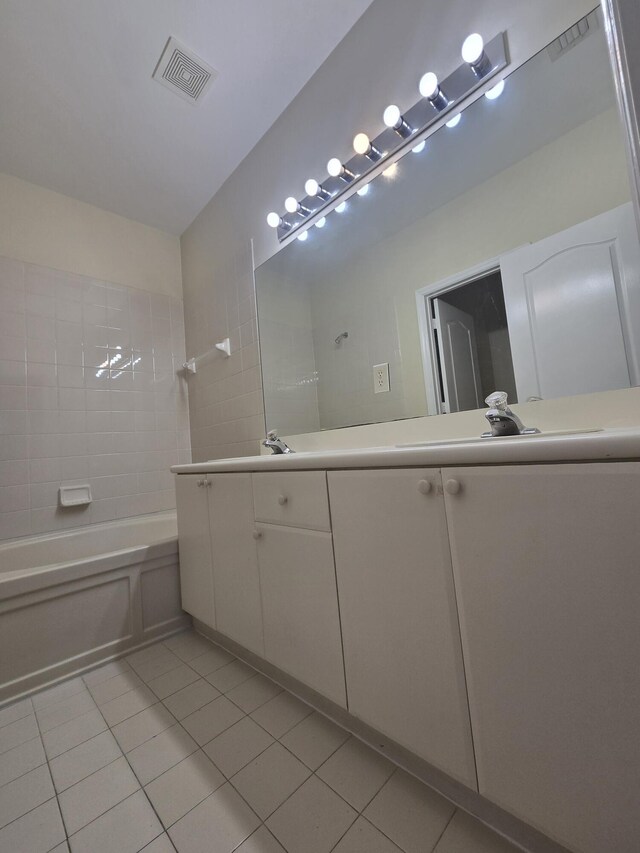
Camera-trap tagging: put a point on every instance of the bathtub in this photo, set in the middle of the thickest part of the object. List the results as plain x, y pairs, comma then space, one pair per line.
71, 600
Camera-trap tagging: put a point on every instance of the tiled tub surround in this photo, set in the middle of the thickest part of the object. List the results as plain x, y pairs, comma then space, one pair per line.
73, 599
88, 393
182, 747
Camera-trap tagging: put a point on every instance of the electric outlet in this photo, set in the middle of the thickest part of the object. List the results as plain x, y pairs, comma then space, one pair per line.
380, 378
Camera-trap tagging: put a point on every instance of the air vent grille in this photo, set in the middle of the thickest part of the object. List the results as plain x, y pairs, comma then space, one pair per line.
184, 73
573, 36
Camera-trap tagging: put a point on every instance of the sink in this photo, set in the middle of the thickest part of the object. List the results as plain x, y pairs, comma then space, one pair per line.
491, 440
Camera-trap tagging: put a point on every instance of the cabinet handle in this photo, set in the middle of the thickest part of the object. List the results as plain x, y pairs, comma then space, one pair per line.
453, 487
257, 534
208, 483
282, 500
424, 487
200, 482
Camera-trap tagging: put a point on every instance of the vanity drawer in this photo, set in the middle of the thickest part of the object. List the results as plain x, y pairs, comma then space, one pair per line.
292, 498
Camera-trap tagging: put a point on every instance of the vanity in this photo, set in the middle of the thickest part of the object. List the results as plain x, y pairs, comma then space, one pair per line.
459, 600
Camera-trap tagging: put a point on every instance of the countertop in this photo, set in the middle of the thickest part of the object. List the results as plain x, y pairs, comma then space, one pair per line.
594, 446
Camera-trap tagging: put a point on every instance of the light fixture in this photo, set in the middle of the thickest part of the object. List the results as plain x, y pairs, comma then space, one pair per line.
473, 54
495, 92
341, 207
292, 205
321, 222
455, 121
362, 145
430, 89
363, 190
391, 171
419, 148
274, 220
304, 236
313, 188
394, 119
337, 169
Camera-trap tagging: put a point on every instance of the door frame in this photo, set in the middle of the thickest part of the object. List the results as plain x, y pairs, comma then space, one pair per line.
428, 347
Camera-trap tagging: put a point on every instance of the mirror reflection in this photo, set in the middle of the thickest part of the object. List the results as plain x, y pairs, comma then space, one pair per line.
502, 254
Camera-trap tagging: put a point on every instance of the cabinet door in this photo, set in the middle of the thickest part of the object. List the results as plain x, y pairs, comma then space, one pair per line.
235, 564
403, 659
547, 568
300, 607
194, 543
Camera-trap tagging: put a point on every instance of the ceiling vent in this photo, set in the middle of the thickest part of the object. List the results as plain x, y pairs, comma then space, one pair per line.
573, 36
184, 73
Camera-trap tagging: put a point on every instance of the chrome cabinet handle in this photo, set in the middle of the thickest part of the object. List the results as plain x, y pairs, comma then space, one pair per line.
257, 534
200, 482
282, 500
424, 487
453, 487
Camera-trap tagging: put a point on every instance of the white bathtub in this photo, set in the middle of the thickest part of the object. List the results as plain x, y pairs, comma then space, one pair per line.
70, 600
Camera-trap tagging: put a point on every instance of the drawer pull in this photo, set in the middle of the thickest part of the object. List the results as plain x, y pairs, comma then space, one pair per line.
201, 482
257, 534
283, 499
453, 487
424, 487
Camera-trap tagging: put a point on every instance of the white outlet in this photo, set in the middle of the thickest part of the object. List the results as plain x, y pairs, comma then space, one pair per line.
380, 378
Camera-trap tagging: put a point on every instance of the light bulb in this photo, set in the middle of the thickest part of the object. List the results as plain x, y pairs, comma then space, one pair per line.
473, 48
392, 117
363, 190
455, 121
495, 92
311, 187
321, 222
273, 220
341, 207
291, 204
361, 144
334, 167
419, 147
302, 237
429, 85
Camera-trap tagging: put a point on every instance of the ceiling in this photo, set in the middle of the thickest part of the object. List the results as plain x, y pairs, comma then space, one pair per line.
80, 113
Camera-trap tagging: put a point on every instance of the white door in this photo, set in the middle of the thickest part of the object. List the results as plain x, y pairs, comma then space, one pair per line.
546, 562
573, 308
458, 358
194, 544
403, 659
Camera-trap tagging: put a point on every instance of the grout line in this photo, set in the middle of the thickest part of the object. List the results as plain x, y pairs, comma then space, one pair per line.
55, 793
19, 746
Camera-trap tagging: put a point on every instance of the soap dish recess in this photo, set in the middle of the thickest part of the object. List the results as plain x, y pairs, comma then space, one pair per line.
75, 495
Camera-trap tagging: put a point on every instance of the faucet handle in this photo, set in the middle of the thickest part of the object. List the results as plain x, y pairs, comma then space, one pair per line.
272, 435
497, 400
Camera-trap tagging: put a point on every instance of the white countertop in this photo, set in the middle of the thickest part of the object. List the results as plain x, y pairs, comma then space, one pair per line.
602, 445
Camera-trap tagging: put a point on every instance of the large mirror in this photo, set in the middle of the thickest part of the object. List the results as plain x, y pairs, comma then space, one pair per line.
502, 254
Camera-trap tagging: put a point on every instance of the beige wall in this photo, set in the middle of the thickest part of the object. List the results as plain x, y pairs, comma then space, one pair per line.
43, 227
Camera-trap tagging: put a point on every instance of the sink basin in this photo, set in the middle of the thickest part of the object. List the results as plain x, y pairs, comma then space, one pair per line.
472, 439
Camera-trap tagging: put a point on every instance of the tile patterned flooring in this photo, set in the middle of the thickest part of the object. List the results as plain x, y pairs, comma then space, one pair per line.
181, 747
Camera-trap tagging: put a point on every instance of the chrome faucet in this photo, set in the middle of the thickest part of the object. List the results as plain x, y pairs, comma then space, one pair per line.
276, 444
502, 420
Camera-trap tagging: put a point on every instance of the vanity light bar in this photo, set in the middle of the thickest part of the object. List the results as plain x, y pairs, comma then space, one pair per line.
481, 63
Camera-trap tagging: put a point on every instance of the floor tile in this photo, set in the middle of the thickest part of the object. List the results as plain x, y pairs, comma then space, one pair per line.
126, 828
220, 823
410, 814
262, 841
74, 732
356, 772
267, 781
19, 760
155, 650
188, 646
37, 832
150, 669
111, 688
84, 760
25, 793
363, 837
160, 753
190, 698
312, 820
314, 739
465, 834
14, 712
184, 786
253, 693
173, 681
280, 714
63, 690
87, 800
139, 728
230, 675
237, 746
125, 706
211, 660
61, 848
104, 673
162, 844
18, 732
58, 713
212, 719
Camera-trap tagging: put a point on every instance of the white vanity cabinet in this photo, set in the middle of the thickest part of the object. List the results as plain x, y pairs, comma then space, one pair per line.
403, 659
546, 562
194, 543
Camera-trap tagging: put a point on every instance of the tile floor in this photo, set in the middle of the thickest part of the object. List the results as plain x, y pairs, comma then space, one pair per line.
182, 747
